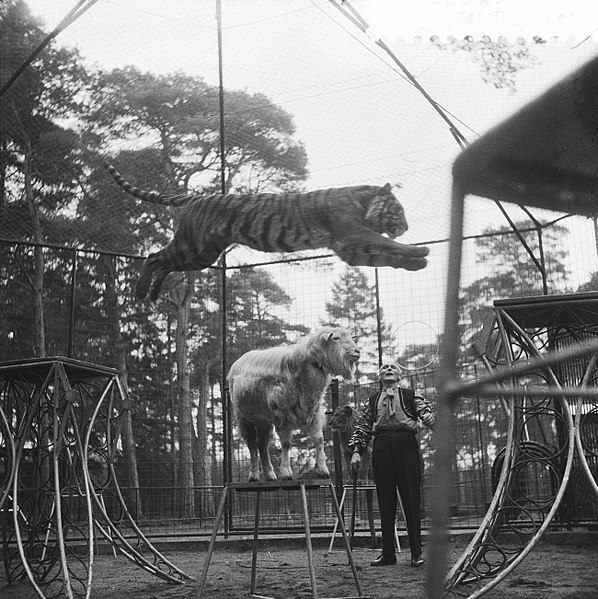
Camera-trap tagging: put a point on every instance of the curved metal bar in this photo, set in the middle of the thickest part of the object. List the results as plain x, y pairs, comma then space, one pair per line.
71, 397
476, 540
61, 445
571, 447
578, 351
456, 573
486, 539
59, 427
24, 561
106, 525
10, 457
24, 427
578, 422
581, 450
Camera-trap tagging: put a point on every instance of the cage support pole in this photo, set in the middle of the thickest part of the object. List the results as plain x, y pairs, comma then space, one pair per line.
73, 302
227, 462
378, 317
71, 16
336, 439
443, 435
223, 185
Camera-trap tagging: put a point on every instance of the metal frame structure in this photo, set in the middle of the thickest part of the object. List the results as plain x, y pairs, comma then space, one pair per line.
60, 429
543, 156
533, 471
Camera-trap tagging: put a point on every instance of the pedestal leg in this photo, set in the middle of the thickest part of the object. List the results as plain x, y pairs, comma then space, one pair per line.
337, 520
256, 528
310, 557
345, 538
206, 565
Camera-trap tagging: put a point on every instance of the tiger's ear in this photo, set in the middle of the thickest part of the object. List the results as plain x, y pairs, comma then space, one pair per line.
388, 187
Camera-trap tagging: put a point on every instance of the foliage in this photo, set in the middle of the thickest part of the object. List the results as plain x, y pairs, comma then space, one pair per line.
591, 285
512, 268
36, 151
499, 60
179, 115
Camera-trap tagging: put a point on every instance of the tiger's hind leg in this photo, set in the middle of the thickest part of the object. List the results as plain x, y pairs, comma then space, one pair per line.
161, 274
152, 264
154, 271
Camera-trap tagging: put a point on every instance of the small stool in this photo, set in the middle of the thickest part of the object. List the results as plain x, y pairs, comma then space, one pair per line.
292, 485
369, 491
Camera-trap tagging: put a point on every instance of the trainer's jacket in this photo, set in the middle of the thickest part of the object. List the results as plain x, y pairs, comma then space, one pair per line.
387, 410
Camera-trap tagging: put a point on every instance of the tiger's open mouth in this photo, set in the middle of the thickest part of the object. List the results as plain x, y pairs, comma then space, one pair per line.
398, 230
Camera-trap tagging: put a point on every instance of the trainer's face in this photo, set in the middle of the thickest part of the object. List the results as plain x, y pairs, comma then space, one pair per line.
388, 374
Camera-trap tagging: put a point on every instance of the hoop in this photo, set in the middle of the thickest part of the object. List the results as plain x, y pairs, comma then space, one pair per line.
407, 341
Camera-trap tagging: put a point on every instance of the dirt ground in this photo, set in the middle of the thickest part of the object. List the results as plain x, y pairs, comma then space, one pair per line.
553, 570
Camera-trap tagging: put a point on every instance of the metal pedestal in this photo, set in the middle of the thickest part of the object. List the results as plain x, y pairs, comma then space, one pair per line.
286, 486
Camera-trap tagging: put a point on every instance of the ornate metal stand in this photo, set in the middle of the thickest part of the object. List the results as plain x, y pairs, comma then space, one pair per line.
60, 425
531, 474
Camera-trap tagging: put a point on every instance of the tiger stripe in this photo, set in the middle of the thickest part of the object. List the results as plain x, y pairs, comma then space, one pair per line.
358, 223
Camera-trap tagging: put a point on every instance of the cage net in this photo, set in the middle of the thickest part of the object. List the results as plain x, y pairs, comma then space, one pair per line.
308, 102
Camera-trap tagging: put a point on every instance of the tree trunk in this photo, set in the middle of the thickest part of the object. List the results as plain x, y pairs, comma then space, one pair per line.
215, 449
203, 457
108, 266
173, 420
181, 295
37, 281
39, 347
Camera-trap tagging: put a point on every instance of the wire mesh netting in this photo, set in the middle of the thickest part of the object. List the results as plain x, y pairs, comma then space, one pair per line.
307, 103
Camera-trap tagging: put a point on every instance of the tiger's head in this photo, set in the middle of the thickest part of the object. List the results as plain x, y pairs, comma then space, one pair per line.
385, 214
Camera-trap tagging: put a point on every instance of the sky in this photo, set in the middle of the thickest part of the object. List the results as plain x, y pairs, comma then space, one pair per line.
424, 17
360, 120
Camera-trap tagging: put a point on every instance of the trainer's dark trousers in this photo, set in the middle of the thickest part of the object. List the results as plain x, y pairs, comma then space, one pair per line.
396, 462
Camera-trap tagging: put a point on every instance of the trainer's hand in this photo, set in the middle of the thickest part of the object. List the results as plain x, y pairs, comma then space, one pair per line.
429, 419
355, 463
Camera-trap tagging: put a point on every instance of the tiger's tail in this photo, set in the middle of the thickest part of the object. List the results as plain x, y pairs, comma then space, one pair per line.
154, 197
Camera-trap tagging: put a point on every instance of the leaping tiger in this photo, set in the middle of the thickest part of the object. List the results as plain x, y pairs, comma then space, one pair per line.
350, 221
